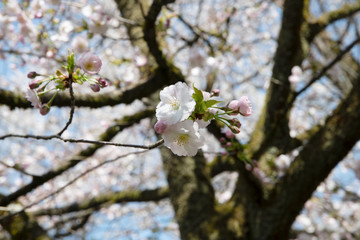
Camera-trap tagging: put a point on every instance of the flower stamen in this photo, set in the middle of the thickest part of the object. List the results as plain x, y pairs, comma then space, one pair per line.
182, 140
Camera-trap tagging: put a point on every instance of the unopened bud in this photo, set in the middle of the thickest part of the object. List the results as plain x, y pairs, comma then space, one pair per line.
234, 106
229, 134
58, 73
215, 93
32, 75
44, 109
34, 84
160, 127
234, 129
245, 108
103, 83
95, 87
235, 122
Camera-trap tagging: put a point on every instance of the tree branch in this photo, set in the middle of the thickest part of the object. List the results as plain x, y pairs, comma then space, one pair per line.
272, 127
126, 95
191, 193
323, 71
111, 197
106, 136
23, 226
328, 18
334, 140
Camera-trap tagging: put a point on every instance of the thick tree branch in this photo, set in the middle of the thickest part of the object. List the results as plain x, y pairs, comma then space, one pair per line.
126, 95
170, 71
108, 198
318, 157
272, 127
135, 10
191, 193
23, 226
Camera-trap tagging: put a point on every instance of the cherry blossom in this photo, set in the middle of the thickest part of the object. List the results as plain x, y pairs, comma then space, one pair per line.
80, 44
90, 63
183, 138
242, 106
296, 75
32, 97
176, 104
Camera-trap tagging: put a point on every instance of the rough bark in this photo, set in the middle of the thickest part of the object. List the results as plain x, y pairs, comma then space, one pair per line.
24, 226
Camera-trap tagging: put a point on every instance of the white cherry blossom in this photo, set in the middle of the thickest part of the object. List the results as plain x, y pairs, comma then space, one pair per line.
176, 104
33, 98
183, 138
80, 44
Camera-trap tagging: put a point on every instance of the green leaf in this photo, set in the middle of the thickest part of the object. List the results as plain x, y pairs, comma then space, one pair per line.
211, 102
198, 95
70, 63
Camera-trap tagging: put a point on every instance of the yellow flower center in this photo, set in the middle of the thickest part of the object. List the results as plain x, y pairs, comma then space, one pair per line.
182, 140
175, 104
89, 65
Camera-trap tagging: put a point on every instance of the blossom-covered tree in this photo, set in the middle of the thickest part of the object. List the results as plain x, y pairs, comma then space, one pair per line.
163, 119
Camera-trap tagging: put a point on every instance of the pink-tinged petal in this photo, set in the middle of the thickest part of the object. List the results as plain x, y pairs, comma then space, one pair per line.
160, 127
245, 108
90, 63
32, 97
229, 134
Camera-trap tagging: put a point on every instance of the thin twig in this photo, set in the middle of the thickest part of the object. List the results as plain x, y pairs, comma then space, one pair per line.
327, 67
72, 110
68, 184
74, 140
17, 168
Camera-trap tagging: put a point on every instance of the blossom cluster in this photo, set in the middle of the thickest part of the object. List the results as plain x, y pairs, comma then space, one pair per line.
184, 110
89, 65
296, 76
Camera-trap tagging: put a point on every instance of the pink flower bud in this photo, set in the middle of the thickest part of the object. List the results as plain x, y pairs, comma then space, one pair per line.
34, 84
215, 92
90, 63
235, 122
160, 127
248, 167
234, 129
222, 140
228, 144
245, 106
95, 87
242, 106
229, 134
103, 83
44, 109
32, 75
234, 105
